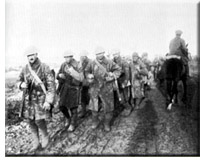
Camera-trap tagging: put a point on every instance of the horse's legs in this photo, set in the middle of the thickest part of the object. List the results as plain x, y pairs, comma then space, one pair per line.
175, 91
169, 94
184, 80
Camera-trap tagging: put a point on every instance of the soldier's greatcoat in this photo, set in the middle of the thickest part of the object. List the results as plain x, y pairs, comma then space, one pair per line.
34, 96
102, 88
70, 87
138, 71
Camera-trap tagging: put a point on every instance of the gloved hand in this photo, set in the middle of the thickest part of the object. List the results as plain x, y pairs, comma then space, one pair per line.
46, 106
110, 77
61, 75
24, 85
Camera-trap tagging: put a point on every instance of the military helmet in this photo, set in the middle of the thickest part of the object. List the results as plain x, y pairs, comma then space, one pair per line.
145, 54
135, 54
115, 51
31, 50
178, 32
68, 53
99, 50
84, 53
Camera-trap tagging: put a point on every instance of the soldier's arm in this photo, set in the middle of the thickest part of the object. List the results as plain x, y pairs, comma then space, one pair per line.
60, 71
51, 87
21, 78
127, 70
183, 45
88, 68
116, 69
143, 69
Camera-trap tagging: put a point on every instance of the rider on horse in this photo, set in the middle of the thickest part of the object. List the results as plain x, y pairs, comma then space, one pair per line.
178, 47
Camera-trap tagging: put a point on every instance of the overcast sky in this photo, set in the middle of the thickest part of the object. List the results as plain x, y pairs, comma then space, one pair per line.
56, 26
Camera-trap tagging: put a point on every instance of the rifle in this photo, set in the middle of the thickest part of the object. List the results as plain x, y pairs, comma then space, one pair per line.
116, 83
23, 101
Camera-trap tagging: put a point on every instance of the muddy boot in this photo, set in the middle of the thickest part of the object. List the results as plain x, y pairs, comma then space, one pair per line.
35, 136
44, 134
107, 120
72, 125
95, 120
127, 111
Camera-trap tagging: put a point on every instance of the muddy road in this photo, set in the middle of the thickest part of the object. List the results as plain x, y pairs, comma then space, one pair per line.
150, 130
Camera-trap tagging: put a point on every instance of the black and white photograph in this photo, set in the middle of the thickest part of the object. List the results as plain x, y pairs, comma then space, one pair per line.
101, 78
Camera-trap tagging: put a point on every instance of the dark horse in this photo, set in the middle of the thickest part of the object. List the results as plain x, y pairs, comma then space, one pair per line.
174, 72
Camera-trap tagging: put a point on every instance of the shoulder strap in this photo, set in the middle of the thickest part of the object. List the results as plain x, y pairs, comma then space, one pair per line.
37, 78
101, 66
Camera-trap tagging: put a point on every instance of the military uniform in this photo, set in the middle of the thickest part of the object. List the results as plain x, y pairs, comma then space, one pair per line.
69, 91
85, 98
138, 71
124, 82
102, 88
34, 98
178, 47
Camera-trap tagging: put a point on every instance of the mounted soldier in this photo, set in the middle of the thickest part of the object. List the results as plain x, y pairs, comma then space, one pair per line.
69, 77
123, 81
178, 47
38, 85
101, 74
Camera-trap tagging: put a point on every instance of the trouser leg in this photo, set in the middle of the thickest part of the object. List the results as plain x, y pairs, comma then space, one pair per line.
44, 134
73, 122
107, 121
34, 133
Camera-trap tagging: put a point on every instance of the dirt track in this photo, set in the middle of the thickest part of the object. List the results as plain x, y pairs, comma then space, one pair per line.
151, 130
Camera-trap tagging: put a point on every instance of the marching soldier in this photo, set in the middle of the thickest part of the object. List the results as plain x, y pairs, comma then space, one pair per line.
138, 71
101, 74
147, 63
38, 85
85, 98
70, 78
123, 81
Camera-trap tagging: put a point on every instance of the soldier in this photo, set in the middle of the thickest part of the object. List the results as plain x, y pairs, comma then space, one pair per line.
123, 81
147, 63
101, 74
85, 98
70, 78
37, 82
138, 71
178, 47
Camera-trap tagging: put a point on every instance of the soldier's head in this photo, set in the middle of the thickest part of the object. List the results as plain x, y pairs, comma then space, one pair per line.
135, 56
116, 53
178, 33
32, 54
68, 55
100, 52
144, 56
83, 55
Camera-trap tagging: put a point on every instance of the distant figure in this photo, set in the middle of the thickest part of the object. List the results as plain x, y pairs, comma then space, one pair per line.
38, 85
138, 71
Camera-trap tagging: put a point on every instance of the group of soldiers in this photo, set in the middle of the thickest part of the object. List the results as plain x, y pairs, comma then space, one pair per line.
87, 85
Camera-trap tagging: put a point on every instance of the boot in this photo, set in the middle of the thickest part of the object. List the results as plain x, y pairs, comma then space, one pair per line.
35, 135
127, 111
44, 134
72, 125
95, 120
107, 120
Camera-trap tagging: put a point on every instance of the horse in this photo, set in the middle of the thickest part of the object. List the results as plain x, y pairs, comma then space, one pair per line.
174, 73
